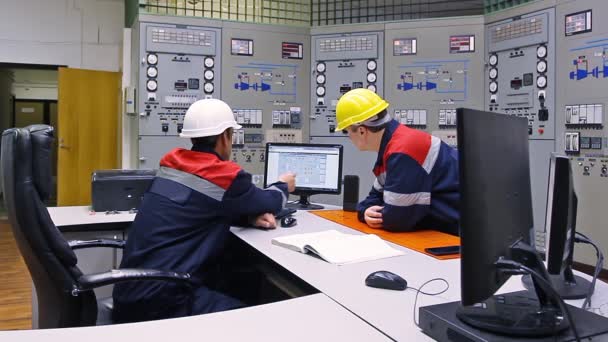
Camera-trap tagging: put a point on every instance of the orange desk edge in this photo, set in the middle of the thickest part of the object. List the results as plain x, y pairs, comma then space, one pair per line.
418, 240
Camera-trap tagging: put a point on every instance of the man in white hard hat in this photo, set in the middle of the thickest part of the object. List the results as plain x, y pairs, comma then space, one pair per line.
184, 219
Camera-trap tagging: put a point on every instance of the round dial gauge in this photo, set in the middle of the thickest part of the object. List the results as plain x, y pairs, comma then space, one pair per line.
371, 77
320, 91
541, 66
209, 62
208, 87
151, 85
209, 75
493, 60
371, 65
493, 73
152, 59
152, 72
321, 67
541, 51
541, 82
321, 79
493, 87
371, 87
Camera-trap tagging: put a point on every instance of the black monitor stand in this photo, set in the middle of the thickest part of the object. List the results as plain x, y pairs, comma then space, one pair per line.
304, 204
568, 285
513, 314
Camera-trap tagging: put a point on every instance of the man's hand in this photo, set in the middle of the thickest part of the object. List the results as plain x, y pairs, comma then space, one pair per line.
290, 179
373, 216
265, 221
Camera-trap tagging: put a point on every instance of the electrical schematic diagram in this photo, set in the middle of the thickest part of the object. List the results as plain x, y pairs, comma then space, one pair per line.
312, 167
448, 79
276, 80
594, 61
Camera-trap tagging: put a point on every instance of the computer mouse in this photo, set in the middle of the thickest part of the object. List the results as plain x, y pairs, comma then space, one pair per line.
288, 221
386, 280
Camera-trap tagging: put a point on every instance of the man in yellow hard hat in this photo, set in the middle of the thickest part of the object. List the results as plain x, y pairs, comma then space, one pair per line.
416, 182
184, 220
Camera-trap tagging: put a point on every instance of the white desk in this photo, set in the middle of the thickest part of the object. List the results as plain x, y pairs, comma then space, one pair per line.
69, 217
310, 318
389, 311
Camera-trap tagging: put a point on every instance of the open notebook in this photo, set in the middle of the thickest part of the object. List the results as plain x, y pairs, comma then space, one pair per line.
339, 248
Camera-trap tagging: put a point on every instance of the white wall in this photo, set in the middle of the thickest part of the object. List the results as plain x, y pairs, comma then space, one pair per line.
78, 33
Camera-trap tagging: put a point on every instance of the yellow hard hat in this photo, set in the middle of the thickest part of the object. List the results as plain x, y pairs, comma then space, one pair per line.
357, 106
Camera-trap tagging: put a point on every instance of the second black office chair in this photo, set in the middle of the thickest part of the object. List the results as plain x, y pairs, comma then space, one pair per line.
65, 294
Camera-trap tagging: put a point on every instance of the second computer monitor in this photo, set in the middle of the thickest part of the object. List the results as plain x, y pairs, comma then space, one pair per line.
318, 169
560, 225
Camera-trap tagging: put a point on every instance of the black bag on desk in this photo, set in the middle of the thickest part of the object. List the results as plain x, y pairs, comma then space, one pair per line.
119, 190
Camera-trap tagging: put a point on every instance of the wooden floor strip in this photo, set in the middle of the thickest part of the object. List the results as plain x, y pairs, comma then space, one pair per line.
15, 284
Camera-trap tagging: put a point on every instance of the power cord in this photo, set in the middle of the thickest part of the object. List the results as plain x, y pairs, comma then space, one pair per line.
514, 267
582, 238
419, 291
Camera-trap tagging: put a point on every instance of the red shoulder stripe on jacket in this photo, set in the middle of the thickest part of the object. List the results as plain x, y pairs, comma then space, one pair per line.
411, 142
205, 165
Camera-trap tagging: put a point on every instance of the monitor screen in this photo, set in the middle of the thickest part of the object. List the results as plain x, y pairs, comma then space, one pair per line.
318, 168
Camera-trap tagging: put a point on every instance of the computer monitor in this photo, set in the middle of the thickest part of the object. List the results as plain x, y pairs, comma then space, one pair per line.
318, 169
560, 227
496, 224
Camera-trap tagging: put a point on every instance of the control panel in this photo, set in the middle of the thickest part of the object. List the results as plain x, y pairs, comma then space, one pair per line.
520, 71
342, 61
431, 71
520, 81
178, 65
265, 82
582, 76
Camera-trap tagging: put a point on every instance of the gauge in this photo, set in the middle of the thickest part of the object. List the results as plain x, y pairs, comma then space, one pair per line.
541, 81
371, 77
541, 51
320, 91
493, 87
493, 60
151, 85
493, 73
209, 62
371, 65
541, 66
321, 79
152, 59
209, 75
208, 88
152, 72
372, 87
321, 67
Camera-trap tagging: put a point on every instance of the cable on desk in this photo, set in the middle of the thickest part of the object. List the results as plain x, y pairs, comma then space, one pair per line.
582, 238
514, 267
419, 291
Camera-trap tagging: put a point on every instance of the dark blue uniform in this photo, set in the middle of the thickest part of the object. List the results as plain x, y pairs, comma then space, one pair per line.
416, 182
182, 224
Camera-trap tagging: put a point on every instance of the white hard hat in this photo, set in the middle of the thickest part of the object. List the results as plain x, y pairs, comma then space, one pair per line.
207, 118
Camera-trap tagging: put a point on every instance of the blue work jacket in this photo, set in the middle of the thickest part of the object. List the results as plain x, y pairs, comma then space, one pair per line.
416, 182
182, 224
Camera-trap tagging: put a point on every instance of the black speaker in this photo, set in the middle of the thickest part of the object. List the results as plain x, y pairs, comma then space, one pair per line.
351, 193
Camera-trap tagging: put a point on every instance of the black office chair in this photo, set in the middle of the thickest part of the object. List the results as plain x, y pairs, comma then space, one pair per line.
65, 296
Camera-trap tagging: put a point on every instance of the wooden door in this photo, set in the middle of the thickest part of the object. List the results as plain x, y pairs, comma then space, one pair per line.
88, 133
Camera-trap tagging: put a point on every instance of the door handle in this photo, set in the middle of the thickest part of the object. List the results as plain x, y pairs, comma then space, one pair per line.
62, 145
